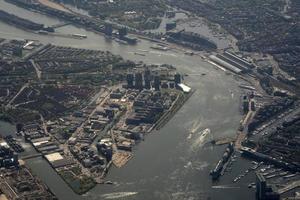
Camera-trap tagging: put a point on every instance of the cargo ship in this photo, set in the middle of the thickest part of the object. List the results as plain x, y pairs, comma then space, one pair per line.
216, 172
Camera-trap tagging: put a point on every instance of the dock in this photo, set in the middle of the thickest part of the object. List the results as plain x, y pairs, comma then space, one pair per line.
240, 138
224, 141
289, 187
36, 155
119, 159
60, 25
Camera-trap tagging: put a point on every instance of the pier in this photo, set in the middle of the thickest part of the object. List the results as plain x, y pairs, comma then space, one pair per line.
60, 25
36, 155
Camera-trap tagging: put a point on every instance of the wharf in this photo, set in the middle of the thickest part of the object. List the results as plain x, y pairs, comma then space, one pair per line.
178, 103
240, 138
224, 141
36, 155
119, 159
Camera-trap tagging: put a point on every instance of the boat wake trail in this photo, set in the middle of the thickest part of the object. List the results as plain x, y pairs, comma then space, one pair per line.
118, 195
202, 138
196, 125
224, 187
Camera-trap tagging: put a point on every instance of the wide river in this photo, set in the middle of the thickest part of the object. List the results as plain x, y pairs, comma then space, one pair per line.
167, 165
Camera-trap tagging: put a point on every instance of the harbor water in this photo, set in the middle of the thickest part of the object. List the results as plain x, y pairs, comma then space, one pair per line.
168, 164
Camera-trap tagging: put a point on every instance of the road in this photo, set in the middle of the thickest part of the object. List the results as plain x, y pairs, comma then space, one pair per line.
37, 69
289, 187
100, 104
44, 124
242, 135
271, 125
80, 128
12, 100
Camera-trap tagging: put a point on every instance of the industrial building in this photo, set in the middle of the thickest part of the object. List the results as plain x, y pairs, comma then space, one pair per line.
130, 79
170, 26
108, 29
139, 81
7, 157
232, 62
265, 191
157, 83
147, 78
184, 88
225, 64
238, 60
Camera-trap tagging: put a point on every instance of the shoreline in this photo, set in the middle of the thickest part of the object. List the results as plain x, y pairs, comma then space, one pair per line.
168, 116
173, 110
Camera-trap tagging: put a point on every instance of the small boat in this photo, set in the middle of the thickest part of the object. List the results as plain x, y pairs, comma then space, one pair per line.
109, 182
120, 41
139, 54
190, 53
143, 50
161, 48
254, 167
236, 179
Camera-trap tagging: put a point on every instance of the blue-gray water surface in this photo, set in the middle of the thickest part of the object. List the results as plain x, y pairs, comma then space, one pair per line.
168, 164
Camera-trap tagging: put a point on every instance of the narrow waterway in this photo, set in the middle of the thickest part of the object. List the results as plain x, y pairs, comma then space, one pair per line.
167, 165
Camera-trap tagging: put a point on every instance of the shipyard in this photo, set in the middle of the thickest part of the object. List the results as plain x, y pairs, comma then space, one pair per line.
119, 100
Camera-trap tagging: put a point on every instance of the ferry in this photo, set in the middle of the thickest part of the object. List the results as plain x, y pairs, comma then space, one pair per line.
28, 44
79, 36
161, 48
42, 32
205, 133
109, 182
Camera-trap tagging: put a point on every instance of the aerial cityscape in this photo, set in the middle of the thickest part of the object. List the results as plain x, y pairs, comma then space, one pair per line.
150, 99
